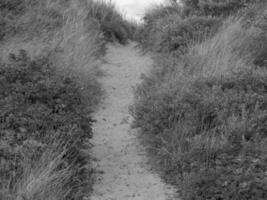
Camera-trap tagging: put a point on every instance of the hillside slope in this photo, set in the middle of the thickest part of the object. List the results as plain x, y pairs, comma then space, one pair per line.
49, 56
203, 108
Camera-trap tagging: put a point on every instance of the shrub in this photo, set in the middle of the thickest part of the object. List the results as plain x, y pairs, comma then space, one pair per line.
111, 22
44, 129
9, 10
174, 34
168, 29
47, 94
161, 11
174, 28
28, 19
15, 7
216, 7
205, 113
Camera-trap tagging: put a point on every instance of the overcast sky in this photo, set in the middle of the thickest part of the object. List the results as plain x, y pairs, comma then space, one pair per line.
135, 8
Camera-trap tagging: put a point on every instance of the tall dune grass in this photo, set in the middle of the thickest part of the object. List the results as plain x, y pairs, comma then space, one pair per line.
50, 51
167, 29
203, 113
112, 23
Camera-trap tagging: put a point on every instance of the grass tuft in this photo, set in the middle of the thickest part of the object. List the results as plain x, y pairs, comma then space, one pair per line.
50, 51
112, 23
202, 111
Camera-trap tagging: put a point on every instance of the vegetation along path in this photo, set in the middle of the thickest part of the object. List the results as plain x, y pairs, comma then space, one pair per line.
119, 157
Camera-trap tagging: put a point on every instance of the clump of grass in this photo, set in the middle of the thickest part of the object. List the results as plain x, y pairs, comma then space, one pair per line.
48, 90
167, 29
45, 129
110, 21
221, 8
29, 18
204, 113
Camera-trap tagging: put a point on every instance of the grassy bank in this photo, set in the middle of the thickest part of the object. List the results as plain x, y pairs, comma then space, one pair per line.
203, 110
112, 23
50, 51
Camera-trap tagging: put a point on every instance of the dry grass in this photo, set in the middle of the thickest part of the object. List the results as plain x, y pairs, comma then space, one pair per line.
46, 180
112, 23
167, 29
61, 32
74, 46
205, 113
229, 51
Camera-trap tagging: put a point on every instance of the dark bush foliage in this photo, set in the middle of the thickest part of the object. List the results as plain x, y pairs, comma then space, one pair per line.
41, 110
213, 131
8, 11
14, 7
45, 116
27, 19
110, 21
174, 34
216, 7
159, 12
174, 28
204, 112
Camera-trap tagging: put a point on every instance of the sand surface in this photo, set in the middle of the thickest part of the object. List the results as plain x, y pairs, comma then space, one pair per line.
121, 160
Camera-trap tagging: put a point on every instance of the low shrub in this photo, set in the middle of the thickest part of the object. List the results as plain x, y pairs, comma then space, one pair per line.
48, 91
222, 8
45, 128
173, 34
160, 11
111, 22
167, 30
9, 10
173, 28
28, 19
15, 7
204, 114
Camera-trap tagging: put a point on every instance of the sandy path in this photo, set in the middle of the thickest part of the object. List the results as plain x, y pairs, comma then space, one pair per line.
118, 154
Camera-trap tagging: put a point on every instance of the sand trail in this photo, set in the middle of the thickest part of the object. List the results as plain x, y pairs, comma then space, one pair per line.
120, 158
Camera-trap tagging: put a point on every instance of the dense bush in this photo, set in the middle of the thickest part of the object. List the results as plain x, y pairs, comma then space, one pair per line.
167, 29
43, 119
47, 94
34, 18
28, 19
110, 21
204, 112
8, 11
174, 34
161, 11
14, 7
216, 7
174, 28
